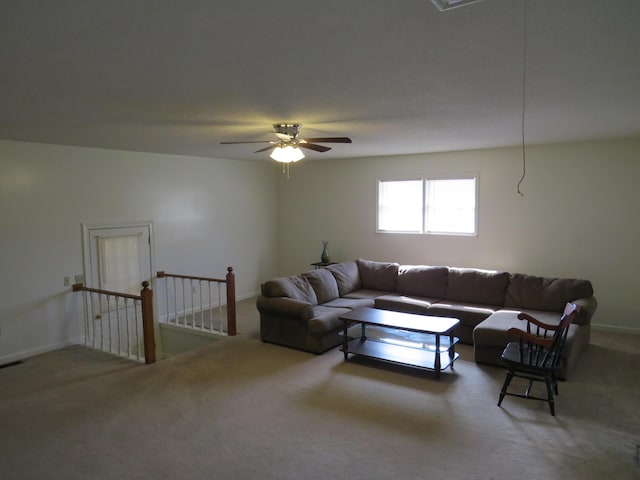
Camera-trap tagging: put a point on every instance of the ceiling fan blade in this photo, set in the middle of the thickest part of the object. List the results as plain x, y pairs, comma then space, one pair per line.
313, 146
265, 149
255, 141
329, 140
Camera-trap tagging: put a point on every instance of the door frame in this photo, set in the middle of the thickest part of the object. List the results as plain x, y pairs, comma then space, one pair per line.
86, 245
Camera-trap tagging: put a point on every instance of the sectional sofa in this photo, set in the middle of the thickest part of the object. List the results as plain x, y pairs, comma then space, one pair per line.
303, 311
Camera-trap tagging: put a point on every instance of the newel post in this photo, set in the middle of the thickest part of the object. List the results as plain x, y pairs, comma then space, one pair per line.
147, 324
231, 302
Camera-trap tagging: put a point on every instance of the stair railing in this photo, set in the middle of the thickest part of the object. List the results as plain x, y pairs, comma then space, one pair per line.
191, 302
119, 323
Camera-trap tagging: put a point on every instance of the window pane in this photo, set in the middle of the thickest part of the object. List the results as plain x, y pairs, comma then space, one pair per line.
400, 206
451, 206
119, 264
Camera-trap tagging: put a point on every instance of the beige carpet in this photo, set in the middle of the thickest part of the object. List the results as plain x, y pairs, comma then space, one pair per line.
241, 409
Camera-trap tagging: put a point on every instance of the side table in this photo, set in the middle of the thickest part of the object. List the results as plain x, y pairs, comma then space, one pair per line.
322, 264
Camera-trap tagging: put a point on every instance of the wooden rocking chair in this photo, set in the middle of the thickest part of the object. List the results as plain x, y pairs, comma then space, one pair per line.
536, 355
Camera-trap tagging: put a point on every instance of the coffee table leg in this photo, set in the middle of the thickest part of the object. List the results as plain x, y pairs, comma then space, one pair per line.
345, 340
452, 350
437, 364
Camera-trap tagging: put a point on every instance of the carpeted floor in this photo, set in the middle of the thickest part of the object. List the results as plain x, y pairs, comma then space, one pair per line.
241, 409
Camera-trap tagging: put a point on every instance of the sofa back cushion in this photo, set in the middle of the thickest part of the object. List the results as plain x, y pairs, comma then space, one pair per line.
297, 287
347, 276
542, 293
378, 275
472, 285
324, 285
422, 281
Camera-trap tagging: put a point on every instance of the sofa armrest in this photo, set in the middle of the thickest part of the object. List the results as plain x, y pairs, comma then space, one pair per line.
587, 307
285, 306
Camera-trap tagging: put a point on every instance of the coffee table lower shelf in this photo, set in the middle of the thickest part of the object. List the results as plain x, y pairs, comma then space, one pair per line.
398, 354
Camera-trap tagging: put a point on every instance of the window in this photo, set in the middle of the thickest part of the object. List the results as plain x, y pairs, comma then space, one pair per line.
432, 206
119, 264
400, 206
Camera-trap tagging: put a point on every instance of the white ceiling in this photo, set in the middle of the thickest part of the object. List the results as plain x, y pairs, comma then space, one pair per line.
398, 77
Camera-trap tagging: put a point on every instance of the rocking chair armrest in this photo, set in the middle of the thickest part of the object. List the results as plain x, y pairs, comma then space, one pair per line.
529, 337
535, 321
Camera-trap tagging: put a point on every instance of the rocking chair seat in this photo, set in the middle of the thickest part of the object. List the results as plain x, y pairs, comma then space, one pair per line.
526, 358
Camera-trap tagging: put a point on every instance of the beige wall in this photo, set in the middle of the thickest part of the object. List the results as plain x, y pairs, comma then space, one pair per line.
579, 216
207, 214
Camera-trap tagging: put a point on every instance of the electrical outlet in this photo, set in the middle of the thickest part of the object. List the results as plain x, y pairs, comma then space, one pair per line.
67, 281
79, 279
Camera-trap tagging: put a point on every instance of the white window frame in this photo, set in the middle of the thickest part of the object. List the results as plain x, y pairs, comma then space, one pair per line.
426, 182
379, 206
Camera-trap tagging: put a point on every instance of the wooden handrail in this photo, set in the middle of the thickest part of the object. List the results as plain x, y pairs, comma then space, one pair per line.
78, 287
229, 280
189, 277
146, 304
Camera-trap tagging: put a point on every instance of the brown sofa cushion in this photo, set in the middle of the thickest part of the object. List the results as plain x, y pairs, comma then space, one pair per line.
469, 314
326, 319
324, 285
422, 281
347, 276
542, 293
401, 303
485, 287
378, 275
296, 287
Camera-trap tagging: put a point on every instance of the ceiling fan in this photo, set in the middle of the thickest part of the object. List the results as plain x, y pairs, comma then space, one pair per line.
287, 148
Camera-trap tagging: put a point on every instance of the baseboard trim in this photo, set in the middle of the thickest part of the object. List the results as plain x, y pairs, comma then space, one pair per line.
190, 311
192, 331
615, 329
14, 357
246, 296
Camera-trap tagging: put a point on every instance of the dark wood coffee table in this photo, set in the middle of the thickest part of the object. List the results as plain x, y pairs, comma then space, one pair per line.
404, 338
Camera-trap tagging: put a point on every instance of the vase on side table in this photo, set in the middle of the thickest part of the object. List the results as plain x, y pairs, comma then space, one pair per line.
324, 257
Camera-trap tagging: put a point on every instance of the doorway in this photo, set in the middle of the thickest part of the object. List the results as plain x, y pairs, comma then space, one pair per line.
117, 257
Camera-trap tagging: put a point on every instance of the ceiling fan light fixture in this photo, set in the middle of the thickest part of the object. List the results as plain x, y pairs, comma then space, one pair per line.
286, 154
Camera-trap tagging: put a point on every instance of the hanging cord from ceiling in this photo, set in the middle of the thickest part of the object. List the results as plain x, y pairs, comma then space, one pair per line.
524, 92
